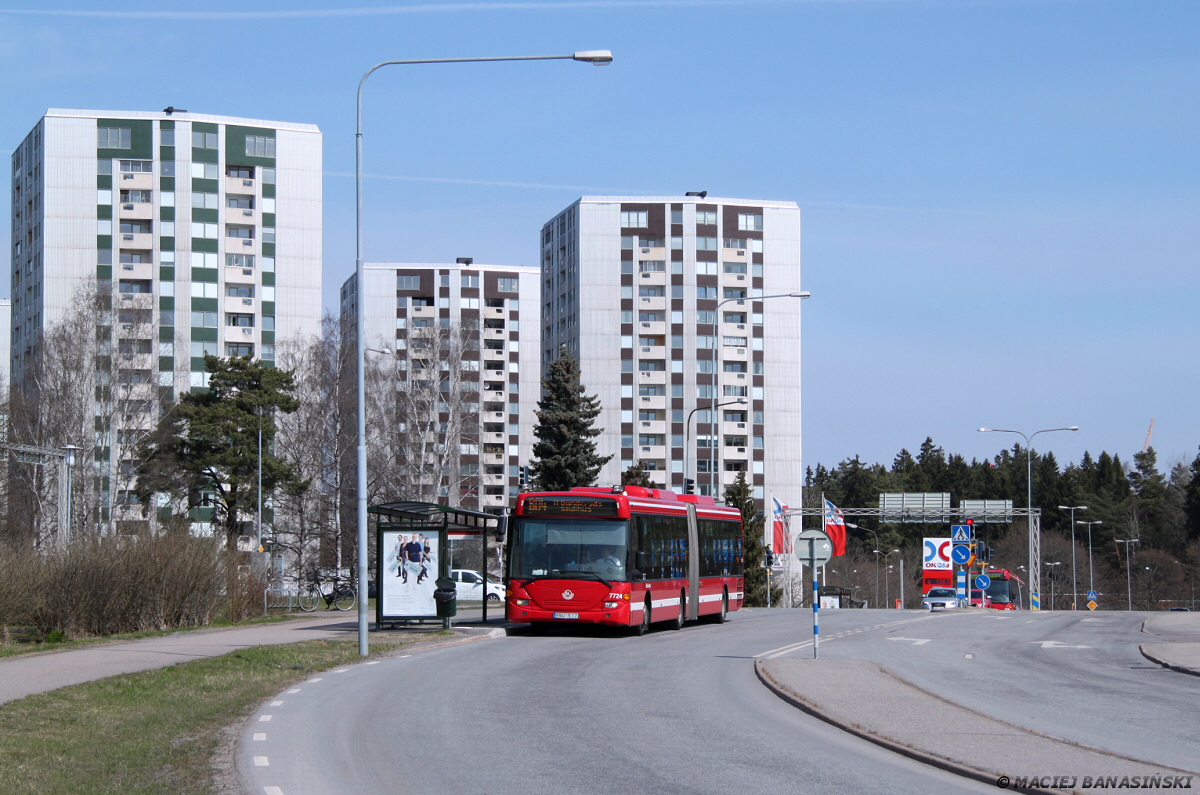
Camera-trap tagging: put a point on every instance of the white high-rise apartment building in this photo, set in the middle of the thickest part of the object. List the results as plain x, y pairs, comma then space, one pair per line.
464, 340
202, 234
662, 300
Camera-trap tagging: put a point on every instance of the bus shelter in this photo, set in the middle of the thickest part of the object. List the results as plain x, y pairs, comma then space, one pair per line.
412, 554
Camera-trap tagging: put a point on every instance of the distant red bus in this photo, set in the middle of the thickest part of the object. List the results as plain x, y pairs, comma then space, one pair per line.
1003, 593
625, 556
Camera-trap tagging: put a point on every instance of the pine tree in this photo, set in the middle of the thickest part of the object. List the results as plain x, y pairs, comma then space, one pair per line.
208, 442
636, 475
564, 455
741, 496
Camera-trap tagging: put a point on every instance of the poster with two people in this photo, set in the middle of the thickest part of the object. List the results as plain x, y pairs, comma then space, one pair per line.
409, 570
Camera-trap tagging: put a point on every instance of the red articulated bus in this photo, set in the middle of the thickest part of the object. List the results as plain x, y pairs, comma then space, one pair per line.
1003, 593
627, 556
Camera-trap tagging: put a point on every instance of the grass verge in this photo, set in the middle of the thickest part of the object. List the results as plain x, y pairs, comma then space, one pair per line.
154, 731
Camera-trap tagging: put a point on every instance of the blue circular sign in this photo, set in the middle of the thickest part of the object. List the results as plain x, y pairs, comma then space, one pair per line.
982, 582
960, 554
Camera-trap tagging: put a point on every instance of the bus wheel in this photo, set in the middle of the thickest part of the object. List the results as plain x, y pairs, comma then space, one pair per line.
644, 627
678, 622
719, 618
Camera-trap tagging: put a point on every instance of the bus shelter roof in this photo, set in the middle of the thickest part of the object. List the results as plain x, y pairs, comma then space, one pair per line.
409, 513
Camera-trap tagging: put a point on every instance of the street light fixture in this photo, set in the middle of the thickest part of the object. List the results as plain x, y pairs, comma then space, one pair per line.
714, 453
1053, 580
1035, 540
1074, 586
887, 594
1128, 542
595, 57
69, 458
687, 443
1091, 571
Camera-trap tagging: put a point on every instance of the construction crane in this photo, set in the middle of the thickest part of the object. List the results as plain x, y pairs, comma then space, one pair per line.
1149, 436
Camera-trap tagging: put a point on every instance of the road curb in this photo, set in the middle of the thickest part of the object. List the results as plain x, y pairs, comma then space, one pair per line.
1172, 666
781, 690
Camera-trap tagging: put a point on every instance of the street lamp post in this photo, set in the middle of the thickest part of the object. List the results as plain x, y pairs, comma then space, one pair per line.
595, 57
687, 433
1053, 580
1128, 542
1091, 571
877, 553
887, 594
1074, 585
714, 452
69, 459
1035, 539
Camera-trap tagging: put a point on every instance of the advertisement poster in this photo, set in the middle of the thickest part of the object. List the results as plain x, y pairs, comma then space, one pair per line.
937, 554
409, 570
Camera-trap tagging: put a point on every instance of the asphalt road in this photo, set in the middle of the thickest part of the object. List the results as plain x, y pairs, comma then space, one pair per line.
574, 712
1078, 676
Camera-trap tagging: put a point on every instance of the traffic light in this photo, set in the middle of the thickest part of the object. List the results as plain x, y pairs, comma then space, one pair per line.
770, 556
689, 486
522, 477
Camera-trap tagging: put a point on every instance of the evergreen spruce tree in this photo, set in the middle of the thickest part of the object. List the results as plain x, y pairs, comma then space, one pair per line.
636, 475
564, 455
741, 496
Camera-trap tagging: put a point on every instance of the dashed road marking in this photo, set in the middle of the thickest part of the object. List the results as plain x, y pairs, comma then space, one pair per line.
276, 703
260, 737
272, 791
261, 761
264, 718
294, 690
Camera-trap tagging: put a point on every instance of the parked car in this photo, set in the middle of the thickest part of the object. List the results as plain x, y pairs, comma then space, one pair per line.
469, 585
940, 599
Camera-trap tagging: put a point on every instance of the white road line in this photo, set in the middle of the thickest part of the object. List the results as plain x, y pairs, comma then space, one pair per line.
264, 718
294, 690
341, 670
276, 703
969, 656
318, 679
272, 791
373, 662
260, 737
403, 656
261, 761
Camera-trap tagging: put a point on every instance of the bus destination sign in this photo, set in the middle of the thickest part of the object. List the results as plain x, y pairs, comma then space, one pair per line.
555, 505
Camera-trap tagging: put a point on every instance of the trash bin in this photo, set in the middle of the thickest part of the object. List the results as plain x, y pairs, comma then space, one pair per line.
445, 597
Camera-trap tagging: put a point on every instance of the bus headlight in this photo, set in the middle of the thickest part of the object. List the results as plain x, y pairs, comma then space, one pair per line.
521, 602
611, 605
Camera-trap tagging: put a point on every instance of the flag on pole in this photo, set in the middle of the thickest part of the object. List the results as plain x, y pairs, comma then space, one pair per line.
835, 528
782, 542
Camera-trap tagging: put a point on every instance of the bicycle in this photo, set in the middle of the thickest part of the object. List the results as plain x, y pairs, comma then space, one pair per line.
341, 595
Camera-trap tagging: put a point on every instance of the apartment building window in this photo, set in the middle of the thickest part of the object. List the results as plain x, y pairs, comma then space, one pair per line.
137, 167
734, 391
207, 201
113, 137
242, 232
408, 281
677, 244
651, 390
635, 219
652, 292
706, 244
166, 137
136, 227
240, 172
470, 280
239, 349
651, 242
735, 317
506, 285
735, 242
735, 367
134, 257
735, 292
205, 320
750, 222
237, 201
707, 293
204, 140
650, 317
706, 217
204, 171
734, 267
733, 342
136, 196
239, 260
260, 146
650, 440
239, 320
131, 347
239, 290
207, 231
134, 286
652, 266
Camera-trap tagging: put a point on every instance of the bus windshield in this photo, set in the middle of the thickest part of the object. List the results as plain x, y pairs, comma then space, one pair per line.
1000, 592
566, 547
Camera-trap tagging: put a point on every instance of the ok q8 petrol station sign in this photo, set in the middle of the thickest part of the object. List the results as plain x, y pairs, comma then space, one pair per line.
937, 554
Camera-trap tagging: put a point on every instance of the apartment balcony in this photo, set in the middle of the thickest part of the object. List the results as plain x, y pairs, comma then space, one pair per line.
652, 376
135, 241
239, 305
652, 303
495, 480
135, 211
653, 352
242, 215
134, 270
652, 452
495, 334
494, 458
651, 402
422, 311
493, 501
496, 312
135, 301
495, 437
652, 327
735, 428
239, 185
652, 278
735, 254
234, 274
652, 426
135, 181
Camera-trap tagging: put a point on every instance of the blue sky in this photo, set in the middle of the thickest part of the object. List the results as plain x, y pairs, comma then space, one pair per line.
1001, 197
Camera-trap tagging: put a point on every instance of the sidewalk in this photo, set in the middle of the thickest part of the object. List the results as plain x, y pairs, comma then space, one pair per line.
909, 720
26, 674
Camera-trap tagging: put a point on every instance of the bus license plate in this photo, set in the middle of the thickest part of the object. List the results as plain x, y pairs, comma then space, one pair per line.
566, 615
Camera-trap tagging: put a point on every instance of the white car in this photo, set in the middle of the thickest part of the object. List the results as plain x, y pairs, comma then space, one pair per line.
469, 585
940, 599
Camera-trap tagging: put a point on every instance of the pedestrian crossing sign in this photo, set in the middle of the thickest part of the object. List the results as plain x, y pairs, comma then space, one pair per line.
961, 533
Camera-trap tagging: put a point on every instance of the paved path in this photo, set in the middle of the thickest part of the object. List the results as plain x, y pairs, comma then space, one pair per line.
26, 674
